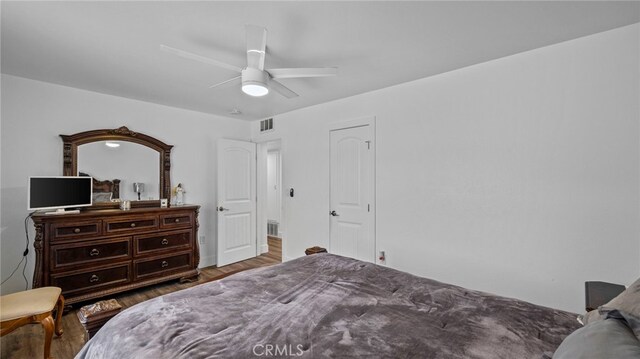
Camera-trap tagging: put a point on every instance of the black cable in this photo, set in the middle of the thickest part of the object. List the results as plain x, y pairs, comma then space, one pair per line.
24, 259
26, 250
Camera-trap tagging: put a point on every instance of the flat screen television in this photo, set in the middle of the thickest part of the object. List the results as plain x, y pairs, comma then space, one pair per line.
59, 192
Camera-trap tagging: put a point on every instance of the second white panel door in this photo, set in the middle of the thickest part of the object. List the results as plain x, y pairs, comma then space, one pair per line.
352, 191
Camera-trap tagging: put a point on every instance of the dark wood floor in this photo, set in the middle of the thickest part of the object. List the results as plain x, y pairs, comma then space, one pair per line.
28, 341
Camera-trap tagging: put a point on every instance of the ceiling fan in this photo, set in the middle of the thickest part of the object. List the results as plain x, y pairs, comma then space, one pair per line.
255, 79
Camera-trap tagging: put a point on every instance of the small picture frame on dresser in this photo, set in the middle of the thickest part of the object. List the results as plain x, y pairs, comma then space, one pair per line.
164, 203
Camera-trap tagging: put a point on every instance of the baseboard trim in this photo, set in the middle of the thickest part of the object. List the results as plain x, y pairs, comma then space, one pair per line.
264, 248
207, 261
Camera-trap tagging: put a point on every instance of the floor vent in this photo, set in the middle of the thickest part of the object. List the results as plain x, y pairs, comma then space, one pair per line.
272, 228
266, 125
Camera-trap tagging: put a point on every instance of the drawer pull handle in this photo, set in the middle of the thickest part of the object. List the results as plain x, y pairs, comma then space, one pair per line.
177, 220
94, 252
77, 230
94, 278
165, 241
165, 264
133, 225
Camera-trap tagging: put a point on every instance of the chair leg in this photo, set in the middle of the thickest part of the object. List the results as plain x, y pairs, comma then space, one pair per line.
59, 311
47, 324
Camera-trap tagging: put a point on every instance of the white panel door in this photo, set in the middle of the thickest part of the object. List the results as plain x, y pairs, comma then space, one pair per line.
352, 192
236, 201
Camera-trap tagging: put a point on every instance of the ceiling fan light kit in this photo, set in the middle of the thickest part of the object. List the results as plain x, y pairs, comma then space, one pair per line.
254, 82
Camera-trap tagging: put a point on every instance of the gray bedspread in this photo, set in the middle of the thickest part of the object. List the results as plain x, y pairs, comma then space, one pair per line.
329, 306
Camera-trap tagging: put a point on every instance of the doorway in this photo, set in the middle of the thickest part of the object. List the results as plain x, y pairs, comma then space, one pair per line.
245, 171
270, 211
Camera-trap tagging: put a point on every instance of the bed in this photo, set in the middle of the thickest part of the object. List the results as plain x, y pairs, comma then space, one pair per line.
328, 306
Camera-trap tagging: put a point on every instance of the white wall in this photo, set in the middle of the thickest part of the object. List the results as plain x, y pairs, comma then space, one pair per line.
519, 176
35, 113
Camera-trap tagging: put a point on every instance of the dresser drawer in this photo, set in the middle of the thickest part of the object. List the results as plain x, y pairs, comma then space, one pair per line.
78, 281
77, 229
176, 220
131, 224
162, 265
65, 255
156, 242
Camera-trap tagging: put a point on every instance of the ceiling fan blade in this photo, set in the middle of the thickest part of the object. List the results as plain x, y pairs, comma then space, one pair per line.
303, 72
282, 89
224, 82
256, 46
206, 60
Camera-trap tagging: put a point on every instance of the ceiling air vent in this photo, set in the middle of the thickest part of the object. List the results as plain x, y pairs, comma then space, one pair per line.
266, 125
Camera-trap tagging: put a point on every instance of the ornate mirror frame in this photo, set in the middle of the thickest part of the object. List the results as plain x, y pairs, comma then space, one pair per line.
70, 157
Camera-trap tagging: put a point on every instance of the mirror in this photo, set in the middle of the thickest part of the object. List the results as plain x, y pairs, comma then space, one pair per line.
127, 161
117, 159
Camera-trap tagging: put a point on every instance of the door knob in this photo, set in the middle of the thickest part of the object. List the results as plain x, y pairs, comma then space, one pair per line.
333, 213
220, 209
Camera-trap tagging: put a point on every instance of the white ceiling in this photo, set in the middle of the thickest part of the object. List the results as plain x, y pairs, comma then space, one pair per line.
114, 47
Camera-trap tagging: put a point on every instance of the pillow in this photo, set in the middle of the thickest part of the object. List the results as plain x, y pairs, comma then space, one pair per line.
612, 337
102, 197
627, 301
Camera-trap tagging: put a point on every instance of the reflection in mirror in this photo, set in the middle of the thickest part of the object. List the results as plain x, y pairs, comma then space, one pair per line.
127, 161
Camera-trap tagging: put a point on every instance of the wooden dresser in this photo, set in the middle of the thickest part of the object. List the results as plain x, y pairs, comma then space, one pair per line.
97, 253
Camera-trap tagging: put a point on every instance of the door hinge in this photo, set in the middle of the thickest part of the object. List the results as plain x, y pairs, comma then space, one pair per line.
368, 144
